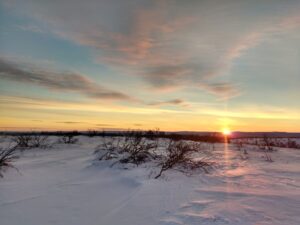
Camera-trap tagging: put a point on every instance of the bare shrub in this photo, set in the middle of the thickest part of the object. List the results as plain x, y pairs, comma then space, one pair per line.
267, 144
31, 141
268, 157
244, 154
239, 144
267, 148
179, 155
292, 144
6, 158
22, 140
130, 149
92, 133
137, 150
154, 134
68, 139
39, 141
109, 149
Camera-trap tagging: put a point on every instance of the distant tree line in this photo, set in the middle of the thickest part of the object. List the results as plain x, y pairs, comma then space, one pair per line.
151, 134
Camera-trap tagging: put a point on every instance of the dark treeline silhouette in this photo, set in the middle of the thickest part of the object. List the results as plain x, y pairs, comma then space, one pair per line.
151, 134
211, 137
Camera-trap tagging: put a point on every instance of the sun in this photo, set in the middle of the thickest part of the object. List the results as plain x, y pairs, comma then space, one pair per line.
226, 132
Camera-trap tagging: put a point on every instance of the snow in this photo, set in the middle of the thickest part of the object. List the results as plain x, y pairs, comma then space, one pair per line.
65, 185
276, 142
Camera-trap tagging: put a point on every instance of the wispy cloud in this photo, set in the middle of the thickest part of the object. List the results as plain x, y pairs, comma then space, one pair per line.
42, 104
70, 122
254, 112
176, 102
104, 125
31, 28
57, 81
222, 89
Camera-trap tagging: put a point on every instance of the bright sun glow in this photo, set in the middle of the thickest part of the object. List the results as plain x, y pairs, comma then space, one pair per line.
226, 131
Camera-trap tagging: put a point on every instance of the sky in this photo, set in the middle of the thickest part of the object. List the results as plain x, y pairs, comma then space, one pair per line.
197, 65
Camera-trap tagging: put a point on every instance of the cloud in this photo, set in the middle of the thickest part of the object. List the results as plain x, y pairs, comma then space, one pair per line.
19, 128
170, 44
31, 28
71, 107
177, 102
81, 122
70, 122
223, 90
254, 112
58, 81
104, 125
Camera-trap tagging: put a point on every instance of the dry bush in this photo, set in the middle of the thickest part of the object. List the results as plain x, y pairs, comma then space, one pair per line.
270, 143
109, 149
129, 149
267, 143
267, 148
39, 141
180, 156
268, 156
31, 141
92, 133
22, 141
68, 139
6, 157
292, 144
137, 150
239, 144
154, 134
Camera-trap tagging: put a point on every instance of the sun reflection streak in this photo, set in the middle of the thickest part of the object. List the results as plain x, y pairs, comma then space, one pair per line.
226, 149
227, 165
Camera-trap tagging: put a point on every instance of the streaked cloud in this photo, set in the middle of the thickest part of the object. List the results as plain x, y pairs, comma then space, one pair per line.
69, 122
31, 28
175, 102
104, 125
245, 111
254, 112
224, 90
29, 103
57, 81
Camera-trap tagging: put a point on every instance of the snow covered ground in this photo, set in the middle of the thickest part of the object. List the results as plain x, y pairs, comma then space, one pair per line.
65, 185
276, 142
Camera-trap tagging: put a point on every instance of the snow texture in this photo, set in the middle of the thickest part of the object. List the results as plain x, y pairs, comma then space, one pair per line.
65, 185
